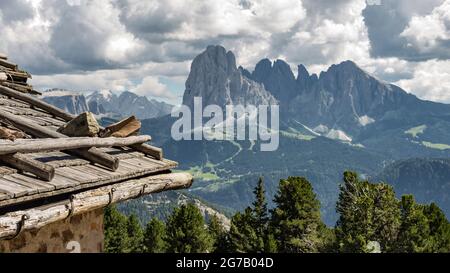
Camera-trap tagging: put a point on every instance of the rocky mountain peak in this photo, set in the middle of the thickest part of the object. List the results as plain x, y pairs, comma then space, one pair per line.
303, 73
245, 72
278, 78
217, 57
72, 102
346, 69
215, 77
283, 68
304, 80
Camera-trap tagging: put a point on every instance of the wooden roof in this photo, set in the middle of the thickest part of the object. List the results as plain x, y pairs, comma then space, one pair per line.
72, 172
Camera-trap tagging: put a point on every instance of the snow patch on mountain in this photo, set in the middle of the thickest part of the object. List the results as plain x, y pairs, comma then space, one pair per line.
321, 129
338, 135
365, 120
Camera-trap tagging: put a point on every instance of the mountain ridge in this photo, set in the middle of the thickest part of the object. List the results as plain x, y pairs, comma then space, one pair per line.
107, 104
344, 98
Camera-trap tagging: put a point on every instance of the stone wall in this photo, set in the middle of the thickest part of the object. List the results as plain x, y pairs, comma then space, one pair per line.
80, 233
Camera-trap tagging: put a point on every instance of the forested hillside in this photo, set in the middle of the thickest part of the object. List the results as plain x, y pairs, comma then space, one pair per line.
371, 219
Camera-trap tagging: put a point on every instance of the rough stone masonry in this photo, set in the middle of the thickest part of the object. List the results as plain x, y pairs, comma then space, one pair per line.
80, 233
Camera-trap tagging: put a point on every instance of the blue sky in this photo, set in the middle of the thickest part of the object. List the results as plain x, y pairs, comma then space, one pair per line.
147, 46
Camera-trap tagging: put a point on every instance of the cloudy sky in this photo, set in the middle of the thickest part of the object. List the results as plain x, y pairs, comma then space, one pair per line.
146, 46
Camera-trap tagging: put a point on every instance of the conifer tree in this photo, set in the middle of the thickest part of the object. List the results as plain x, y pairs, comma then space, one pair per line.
187, 232
367, 212
439, 228
115, 230
243, 237
260, 208
249, 230
135, 235
296, 219
218, 234
260, 219
386, 216
154, 236
414, 230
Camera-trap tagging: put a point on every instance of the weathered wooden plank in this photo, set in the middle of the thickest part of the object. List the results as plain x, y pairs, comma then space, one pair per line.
32, 188
88, 176
59, 159
13, 188
16, 76
68, 163
149, 150
3, 196
146, 160
91, 200
13, 103
24, 88
78, 176
124, 171
127, 154
97, 171
53, 155
5, 170
24, 163
52, 127
41, 186
40, 145
163, 162
61, 181
50, 121
122, 152
28, 112
8, 64
39, 121
131, 169
111, 150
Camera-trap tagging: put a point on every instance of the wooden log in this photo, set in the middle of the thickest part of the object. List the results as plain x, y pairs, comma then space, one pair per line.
93, 154
36, 103
44, 145
20, 87
23, 163
91, 200
16, 76
147, 149
3, 77
3, 56
123, 128
8, 64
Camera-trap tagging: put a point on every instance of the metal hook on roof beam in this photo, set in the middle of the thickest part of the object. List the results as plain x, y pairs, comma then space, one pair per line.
142, 192
20, 225
70, 206
111, 196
